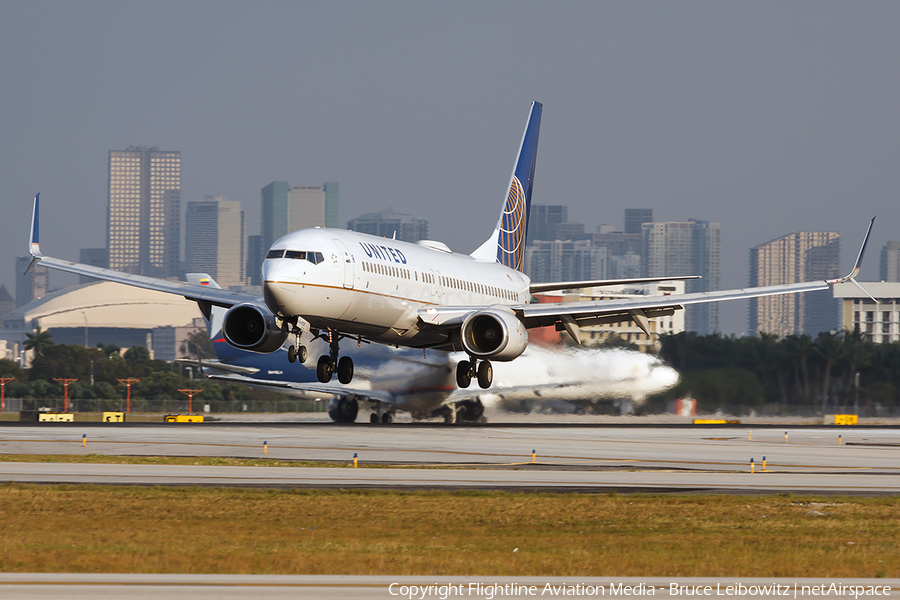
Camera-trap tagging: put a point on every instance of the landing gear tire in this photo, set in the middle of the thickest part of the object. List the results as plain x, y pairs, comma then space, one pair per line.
387, 418
485, 374
292, 353
325, 369
348, 410
373, 418
345, 369
302, 354
463, 374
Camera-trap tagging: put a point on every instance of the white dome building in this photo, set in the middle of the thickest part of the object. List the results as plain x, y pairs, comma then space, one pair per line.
110, 313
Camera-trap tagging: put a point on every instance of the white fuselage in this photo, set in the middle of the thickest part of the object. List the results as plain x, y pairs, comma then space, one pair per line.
371, 286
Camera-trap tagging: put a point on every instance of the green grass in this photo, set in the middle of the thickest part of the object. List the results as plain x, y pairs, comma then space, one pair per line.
211, 530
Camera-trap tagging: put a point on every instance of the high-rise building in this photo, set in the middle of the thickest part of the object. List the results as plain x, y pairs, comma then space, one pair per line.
542, 221
890, 262
254, 259
96, 257
690, 247
275, 216
547, 261
144, 215
214, 240
794, 258
7, 304
387, 224
31, 285
287, 208
636, 217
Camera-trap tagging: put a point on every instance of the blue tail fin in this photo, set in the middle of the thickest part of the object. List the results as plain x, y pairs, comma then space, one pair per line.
507, 244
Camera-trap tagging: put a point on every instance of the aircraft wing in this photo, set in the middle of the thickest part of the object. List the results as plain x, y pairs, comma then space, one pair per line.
570, 316
321, 388
538, 288
205, 296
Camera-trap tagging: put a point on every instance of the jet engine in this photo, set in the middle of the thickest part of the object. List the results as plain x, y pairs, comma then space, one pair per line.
252, 327
494, 333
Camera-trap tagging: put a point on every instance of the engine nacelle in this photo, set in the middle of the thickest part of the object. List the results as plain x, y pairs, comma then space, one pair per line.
494, 333
252, 327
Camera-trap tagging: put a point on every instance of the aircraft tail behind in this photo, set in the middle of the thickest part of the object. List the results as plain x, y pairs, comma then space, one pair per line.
507, 244
216, 318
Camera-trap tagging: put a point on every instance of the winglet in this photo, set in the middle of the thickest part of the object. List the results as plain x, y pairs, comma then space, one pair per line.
856, 267
859, 258
35, 245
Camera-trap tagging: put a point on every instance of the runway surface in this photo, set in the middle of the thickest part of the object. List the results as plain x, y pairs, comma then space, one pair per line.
598, 459
28, 586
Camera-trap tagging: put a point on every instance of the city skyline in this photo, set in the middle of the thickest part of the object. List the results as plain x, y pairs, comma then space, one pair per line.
765, 118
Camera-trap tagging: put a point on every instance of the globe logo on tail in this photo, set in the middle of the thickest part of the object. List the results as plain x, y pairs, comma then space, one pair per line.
511, 250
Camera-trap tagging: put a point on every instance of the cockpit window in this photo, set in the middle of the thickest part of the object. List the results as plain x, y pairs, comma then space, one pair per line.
313, 257
275, 254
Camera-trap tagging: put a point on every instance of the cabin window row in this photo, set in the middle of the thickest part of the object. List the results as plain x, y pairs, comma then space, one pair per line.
451, 282
478, 288
388, 270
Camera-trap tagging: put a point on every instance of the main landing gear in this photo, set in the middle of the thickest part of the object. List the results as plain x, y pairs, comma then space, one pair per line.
327, 362
343, 410
466, 371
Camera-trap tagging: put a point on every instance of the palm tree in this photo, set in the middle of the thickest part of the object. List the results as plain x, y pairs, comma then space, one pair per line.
38, 341
830, 347
799, 349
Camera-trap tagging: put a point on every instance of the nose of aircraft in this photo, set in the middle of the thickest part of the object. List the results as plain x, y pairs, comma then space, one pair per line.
664, 375
280, 278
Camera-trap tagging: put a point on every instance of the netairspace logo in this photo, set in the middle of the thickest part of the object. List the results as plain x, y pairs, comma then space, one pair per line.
491, 591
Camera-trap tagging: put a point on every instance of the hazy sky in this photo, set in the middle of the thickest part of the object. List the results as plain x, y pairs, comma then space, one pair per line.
768, 117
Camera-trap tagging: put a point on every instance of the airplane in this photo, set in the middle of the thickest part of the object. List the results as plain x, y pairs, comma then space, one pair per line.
391, 380
332, 285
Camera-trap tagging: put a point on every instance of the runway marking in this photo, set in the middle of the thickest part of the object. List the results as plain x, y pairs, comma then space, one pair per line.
569, 458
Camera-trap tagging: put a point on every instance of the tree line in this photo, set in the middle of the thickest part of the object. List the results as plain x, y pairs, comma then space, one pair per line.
831, 371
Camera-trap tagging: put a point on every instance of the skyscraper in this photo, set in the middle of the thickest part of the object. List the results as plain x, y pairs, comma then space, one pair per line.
96, 257
542, 221
31, 285
547, 261
144, 215
636, 217
387, 223
690, 247
794, 258
890, 262
287, 208
254, 259
214, 240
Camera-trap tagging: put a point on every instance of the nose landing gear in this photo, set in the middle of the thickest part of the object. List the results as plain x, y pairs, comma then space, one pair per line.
297, 353
466, 371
